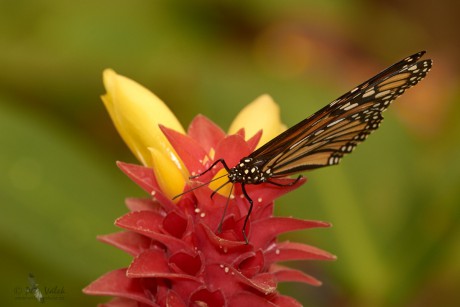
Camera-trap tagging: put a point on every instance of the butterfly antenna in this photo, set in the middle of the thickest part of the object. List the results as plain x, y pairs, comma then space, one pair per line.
211, 167
219, 228
201, 185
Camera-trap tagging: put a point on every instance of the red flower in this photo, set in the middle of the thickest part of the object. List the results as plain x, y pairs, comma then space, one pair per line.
180, 259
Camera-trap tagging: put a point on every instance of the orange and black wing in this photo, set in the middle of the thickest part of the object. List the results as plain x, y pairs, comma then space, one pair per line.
326, 136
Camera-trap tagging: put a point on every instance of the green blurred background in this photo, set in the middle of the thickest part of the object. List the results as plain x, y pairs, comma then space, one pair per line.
394, 203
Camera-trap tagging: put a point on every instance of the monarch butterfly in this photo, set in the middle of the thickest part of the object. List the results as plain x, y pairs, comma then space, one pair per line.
326, 136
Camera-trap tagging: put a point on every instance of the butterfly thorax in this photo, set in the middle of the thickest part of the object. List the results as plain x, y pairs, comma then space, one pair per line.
248, 172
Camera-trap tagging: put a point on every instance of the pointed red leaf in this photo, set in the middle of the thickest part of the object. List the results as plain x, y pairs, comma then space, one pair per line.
115, 283
228, 278
286, 251
141, 221
265, 230
252, 265
142, 204
128, 241
145, 178
265, 193
150, 263
205, 132
153, 263
232, 149
285, 274
149, 224
189, 150
223, 245
141, 175
254, 140
241, 132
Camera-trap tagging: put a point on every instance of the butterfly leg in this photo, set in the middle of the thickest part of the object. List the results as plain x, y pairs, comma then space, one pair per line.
219, 228
251, 203
210, 168
286, 185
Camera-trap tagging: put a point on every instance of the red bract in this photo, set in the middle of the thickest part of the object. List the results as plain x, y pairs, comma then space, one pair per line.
179, 257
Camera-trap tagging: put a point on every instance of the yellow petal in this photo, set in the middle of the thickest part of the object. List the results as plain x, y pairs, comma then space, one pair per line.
170, 178
262, 113
136, 113
225, 191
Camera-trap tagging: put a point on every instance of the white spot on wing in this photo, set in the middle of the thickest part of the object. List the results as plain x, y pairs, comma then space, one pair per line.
335, 122
382, 93
368, 93
351, 107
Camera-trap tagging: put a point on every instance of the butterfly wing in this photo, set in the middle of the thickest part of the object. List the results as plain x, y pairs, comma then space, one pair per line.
335, 130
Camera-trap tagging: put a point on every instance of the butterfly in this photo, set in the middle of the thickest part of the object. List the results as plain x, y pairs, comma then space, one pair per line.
326, 136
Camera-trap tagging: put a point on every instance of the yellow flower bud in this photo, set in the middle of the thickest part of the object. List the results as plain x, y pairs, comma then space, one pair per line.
225, 191
136, 113
170, 179
263, 113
